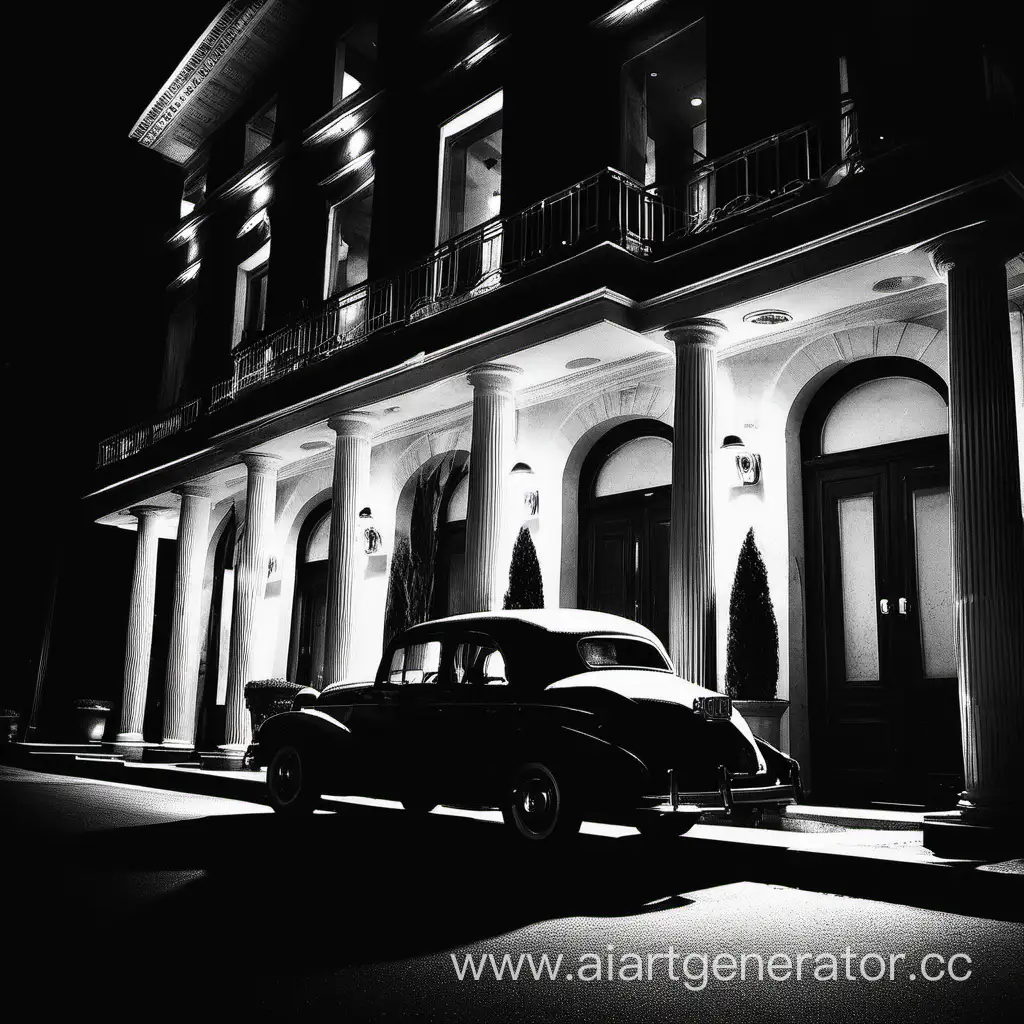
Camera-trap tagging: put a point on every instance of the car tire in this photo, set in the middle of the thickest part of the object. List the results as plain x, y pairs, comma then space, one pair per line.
418, 805
539, 806
291, 782
659, 827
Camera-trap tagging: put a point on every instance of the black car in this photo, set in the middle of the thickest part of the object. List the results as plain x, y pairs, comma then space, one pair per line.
552, 716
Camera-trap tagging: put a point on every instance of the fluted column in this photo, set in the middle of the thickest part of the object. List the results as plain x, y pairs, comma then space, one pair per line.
183, 652
351, 479
692, 611
494, 427
139, 644
986, 533
252, 552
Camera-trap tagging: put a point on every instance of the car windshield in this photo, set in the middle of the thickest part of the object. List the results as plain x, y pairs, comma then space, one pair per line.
621, 652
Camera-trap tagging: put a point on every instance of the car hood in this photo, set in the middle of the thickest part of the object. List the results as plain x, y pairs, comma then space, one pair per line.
638, 684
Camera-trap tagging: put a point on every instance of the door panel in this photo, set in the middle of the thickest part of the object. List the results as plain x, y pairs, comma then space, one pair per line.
611, 574
884, 709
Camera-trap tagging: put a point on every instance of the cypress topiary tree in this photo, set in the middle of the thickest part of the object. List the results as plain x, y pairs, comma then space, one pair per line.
525, 585
752, 660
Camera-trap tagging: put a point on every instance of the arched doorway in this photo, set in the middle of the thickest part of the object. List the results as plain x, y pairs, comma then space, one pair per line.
884, 712
312, 550
624, 502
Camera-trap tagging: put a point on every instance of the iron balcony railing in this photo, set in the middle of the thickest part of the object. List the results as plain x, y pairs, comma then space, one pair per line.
607, 206
744, 180
141, 436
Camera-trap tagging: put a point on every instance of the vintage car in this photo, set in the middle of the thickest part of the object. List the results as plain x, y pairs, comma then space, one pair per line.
552, 716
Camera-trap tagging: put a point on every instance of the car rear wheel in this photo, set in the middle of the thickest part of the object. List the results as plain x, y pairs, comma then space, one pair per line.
291, 782
539, 806
665, 826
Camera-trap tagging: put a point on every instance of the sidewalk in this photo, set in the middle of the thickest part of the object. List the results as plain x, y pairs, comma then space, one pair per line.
882, 850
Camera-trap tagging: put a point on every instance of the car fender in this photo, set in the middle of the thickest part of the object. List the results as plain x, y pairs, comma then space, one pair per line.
315, 731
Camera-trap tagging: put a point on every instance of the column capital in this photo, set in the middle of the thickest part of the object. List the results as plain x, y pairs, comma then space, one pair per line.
353, 424
148, 511
700, 330
260, 462
984, 243
494, 377
194, 491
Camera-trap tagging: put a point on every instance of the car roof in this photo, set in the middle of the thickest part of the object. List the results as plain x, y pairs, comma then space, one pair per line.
551, 620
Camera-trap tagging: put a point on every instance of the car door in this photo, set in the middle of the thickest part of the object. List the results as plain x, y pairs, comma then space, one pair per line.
413, 718
476, 706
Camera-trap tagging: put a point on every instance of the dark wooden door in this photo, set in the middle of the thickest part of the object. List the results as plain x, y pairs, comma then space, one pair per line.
312, 624
624, 568
884, 709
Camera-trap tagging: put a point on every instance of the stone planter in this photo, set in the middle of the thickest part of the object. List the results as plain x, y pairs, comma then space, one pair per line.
89, 720
764, 718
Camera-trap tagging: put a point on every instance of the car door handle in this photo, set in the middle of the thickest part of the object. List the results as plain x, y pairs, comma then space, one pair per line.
883, 606
904, 606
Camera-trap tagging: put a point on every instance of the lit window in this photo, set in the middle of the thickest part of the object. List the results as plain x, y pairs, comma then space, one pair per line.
348, 243
251, 295
355, 56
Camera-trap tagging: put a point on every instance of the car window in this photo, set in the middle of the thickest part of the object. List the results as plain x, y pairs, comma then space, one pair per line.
416, 664
621, 652
475, 663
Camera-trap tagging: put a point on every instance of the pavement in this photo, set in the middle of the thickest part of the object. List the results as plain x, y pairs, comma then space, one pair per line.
127, 897
857, 851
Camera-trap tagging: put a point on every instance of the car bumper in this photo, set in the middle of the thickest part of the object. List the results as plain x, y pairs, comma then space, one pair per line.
733, 793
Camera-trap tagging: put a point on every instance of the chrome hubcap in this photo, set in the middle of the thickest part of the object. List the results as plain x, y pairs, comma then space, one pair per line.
536, 803
287, 777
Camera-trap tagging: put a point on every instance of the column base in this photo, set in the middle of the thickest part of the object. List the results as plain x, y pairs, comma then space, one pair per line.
168, 754
130, 749
965, 833
224, 759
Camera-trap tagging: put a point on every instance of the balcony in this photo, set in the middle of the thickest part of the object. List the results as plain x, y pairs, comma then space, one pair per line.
606, 207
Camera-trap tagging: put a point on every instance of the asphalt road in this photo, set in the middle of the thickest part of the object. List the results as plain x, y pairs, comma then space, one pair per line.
139, 903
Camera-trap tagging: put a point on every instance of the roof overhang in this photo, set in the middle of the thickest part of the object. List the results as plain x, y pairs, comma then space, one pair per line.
217, 75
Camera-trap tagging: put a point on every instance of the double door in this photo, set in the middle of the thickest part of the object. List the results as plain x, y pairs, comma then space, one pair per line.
625, 558
883, 690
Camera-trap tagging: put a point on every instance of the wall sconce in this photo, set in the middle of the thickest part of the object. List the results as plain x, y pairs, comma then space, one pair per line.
525, 493
372, 540
748, 463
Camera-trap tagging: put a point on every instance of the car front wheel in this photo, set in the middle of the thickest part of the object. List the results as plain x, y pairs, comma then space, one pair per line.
539, 806
290, 782
666, 826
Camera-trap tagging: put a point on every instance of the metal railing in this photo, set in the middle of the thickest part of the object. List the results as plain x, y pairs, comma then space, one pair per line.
744, 179
607, 206
134, 439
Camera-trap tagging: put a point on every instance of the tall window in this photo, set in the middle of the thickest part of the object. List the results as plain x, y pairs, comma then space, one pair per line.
348, 242
469, 190
251, 295
355, 58
259, 132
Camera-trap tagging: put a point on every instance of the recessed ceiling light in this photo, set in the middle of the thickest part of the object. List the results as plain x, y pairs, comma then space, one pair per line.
391, 409
654, 74
314, 446
579, 364
768, 317
696, 101
900, 283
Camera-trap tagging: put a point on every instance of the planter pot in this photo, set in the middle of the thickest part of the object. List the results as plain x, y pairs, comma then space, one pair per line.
89, 723
764, 718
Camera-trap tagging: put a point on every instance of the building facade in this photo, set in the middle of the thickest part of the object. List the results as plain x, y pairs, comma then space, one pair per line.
639, 278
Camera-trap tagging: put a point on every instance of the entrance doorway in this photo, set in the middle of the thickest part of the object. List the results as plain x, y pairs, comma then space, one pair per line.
625, 492
310, 631
883, 695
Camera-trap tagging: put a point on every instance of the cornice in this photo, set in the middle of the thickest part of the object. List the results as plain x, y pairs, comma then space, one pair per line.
222, 35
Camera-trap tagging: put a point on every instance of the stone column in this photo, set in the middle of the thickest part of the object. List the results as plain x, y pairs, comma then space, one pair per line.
252, 553
493, 451
351, 480
986, 532
139, 644
692, 611
183, 653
